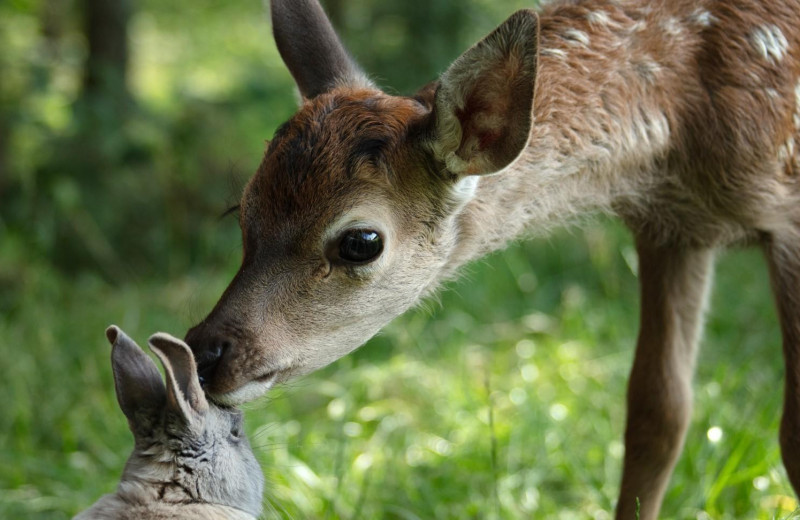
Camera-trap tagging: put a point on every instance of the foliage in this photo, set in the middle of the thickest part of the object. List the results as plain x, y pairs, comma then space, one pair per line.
504, 400
99, 186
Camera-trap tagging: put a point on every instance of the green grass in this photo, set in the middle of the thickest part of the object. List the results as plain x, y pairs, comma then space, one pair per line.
502, 400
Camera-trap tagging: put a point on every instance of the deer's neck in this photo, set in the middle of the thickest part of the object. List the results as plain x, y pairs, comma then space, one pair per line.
605, 114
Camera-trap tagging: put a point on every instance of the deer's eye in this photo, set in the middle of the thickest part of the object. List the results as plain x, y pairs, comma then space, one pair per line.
359, 246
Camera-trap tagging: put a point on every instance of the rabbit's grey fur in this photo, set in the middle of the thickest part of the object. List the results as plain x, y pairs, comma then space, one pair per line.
191, 458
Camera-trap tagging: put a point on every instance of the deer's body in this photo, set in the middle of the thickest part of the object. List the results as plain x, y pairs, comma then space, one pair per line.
646, 111
682, 117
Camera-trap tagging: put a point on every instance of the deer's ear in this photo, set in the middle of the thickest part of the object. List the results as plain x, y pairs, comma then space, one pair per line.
140, 390
484, 101
310, 48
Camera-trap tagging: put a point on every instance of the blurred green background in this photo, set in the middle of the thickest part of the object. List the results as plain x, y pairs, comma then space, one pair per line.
128, 126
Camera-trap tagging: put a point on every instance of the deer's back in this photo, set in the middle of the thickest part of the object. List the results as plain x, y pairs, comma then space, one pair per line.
743, 131
700, 100
734, 162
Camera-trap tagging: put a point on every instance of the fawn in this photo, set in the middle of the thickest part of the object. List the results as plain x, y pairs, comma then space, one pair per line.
681, 117
191, 458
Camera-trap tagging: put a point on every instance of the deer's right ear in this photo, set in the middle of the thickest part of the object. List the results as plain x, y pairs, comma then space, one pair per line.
310, 48
140, 390
484, 103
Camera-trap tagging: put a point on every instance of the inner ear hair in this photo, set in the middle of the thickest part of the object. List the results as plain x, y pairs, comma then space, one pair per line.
184, 394
139, 388
484, 102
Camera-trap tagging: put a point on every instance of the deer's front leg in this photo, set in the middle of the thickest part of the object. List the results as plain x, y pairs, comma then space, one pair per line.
674, 283
783, 255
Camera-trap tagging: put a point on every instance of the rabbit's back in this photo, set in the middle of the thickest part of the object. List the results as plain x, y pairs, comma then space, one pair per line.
111, 507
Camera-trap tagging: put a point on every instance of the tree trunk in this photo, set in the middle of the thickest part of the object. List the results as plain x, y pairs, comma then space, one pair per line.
106, 28
5, 174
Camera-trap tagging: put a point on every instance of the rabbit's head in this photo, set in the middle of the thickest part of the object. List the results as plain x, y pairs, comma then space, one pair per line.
192, 450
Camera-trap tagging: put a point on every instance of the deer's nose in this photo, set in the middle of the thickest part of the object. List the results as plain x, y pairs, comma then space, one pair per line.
208, 349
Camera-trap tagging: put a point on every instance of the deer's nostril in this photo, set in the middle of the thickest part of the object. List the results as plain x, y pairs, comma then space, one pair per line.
207, 356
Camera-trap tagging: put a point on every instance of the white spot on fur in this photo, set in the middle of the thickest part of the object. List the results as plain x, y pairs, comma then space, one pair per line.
797, 107
647, 68
672, 26
649, 128
599, 18
797, 93
770, 42
576, 37
639, 26
556, 53
771, 92
656, 128
786, 151
702, 17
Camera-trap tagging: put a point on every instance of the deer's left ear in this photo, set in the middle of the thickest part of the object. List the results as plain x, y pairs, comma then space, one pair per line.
484, 101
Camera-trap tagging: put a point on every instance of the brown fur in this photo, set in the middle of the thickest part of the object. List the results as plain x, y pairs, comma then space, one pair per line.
681, 117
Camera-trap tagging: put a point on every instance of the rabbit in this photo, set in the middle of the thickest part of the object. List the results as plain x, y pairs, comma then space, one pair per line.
191, 458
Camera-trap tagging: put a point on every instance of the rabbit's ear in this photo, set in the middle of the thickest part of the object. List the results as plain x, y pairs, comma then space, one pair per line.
140, 390
184, 394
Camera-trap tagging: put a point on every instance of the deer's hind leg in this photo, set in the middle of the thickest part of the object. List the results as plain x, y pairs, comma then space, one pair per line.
783, 255
674, 285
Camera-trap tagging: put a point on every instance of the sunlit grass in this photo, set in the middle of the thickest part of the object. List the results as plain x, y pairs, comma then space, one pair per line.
503, 401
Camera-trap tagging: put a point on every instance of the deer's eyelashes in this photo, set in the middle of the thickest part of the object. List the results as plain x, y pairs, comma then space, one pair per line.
359, 246
233, 210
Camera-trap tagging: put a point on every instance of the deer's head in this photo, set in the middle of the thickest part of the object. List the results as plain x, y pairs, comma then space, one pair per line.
353, 215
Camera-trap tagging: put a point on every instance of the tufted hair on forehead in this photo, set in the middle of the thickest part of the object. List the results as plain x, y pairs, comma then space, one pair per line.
322, 149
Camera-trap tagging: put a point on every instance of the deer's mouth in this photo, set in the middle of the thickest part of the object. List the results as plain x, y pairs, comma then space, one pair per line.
251, 390
268, 377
